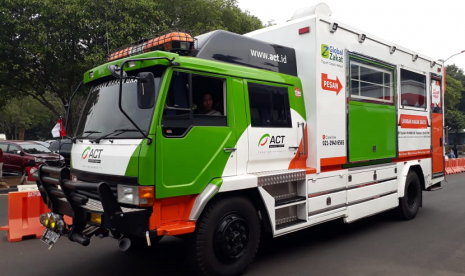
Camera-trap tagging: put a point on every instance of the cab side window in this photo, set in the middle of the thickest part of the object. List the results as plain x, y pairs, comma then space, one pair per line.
269, 106
193, 100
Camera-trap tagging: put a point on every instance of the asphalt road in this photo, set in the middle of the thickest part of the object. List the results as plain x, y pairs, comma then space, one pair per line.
432, 244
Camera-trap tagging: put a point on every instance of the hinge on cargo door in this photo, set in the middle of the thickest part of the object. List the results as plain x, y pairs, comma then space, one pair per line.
374, 148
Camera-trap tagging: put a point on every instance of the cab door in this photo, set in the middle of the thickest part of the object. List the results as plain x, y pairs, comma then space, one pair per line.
275, 129
196, 137
437, 125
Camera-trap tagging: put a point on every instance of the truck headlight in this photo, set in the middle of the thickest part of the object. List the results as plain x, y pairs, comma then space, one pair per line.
128, 194
39, 160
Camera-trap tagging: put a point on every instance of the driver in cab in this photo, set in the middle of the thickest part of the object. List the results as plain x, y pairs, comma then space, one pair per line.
207, 105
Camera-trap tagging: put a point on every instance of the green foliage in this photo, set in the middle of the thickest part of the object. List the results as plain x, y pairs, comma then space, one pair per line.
453, 93
27, 113
454, 97
456, 73
46, 45
455, 119
202, 16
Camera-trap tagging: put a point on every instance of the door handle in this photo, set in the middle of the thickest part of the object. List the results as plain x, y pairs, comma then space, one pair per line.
229, 149
303, 138
293, 147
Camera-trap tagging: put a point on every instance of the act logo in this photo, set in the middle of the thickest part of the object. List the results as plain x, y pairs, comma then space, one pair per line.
263, 140
93, 154
85, 153
276, 141
324, 51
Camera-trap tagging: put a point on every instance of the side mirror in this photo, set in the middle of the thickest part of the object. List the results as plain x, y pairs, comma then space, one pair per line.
20, 152
145, 90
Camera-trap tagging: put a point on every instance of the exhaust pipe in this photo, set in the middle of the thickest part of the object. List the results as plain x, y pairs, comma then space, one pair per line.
124, 244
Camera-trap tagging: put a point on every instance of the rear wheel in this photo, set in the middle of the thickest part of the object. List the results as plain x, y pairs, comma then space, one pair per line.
410, 203
226, 237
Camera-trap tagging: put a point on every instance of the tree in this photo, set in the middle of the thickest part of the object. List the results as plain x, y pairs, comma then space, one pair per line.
454, 115
202, 16
19, 115
453, 93
47, 45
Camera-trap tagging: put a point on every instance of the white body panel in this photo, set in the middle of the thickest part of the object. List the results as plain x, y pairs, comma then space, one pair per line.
265, 157
105, 157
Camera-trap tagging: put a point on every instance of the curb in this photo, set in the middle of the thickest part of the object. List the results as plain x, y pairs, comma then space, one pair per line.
7, 190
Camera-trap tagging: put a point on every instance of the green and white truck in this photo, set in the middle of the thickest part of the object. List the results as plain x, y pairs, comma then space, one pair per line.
222, 137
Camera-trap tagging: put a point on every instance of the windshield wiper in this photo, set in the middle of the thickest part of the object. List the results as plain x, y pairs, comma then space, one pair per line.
89, 132
121, 131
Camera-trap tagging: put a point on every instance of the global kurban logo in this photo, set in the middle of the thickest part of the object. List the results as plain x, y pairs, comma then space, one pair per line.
332, 53
276, 141
93, 155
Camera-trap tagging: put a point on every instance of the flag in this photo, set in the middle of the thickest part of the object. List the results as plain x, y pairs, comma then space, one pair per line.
58, 130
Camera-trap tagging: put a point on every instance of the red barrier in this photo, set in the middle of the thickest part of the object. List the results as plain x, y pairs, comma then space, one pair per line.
24, 209
455, 165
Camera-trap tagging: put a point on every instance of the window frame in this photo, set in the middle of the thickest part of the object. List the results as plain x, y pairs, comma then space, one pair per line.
379, 67
410, 107
280, 85
191, 103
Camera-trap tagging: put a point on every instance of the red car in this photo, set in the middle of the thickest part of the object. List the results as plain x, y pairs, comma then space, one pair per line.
16, 155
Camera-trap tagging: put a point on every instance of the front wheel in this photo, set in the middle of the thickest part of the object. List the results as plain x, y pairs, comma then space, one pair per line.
410, 203
226, 237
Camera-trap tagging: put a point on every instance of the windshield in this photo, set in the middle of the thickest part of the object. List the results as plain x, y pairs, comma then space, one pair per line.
34, 149
101, 114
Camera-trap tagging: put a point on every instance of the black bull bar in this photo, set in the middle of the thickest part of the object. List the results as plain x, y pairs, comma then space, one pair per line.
80, 199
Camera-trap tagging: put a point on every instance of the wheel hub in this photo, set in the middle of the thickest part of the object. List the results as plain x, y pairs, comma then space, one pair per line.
231, 237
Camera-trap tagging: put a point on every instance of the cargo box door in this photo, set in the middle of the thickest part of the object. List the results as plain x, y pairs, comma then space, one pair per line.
371, 111
437, 126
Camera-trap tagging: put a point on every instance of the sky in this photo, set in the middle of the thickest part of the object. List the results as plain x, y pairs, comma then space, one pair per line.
435, 29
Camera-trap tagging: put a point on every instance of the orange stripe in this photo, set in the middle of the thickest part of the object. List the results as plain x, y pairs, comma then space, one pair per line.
333, 161
300, 161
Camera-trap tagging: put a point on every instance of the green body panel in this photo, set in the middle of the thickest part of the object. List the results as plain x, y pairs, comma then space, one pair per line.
371, 125
133, 166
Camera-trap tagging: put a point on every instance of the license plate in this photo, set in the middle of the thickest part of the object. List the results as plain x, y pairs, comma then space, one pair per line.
49, 237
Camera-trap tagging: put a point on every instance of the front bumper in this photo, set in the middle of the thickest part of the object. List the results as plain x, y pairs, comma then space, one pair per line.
79, 200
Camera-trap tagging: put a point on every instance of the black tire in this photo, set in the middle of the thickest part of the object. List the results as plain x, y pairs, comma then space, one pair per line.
410, 203
226, 238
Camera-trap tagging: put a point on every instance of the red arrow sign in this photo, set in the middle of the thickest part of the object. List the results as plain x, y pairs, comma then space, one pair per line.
331, 85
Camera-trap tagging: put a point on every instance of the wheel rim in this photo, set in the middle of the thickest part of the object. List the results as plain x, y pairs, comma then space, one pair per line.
231, 238
412, 195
